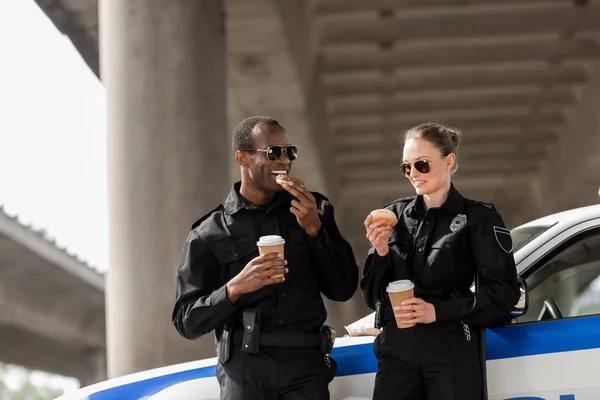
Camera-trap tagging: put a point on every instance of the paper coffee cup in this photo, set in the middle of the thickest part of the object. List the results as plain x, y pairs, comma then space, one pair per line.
382, 214
398, 291
271, 244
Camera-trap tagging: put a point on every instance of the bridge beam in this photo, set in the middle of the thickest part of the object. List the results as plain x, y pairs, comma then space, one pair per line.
569, 175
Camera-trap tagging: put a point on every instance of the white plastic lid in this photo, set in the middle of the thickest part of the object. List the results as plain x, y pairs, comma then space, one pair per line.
270, 240
383, 210
400, 286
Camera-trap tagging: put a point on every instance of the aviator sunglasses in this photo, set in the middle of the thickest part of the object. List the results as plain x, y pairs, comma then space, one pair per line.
274, 152
422, 166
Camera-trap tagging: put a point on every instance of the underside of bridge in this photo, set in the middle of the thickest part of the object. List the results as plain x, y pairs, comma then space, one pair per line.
347, 77
519, 78
51, 306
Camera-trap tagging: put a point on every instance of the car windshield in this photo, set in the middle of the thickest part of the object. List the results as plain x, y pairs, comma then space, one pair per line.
522, 236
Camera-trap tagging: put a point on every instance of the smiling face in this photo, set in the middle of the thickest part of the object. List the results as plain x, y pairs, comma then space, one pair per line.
263, 172
438, 177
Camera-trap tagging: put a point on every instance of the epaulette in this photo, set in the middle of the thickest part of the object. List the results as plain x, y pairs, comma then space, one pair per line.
481, 203
208, 214
403, 199
319, 196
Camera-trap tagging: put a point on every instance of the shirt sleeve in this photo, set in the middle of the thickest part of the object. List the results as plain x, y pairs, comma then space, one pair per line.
498, 286
333, 257
200, 305
378, 271
375, 277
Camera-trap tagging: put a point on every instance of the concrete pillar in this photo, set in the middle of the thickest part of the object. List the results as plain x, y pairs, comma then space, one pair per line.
163, 66
96, 368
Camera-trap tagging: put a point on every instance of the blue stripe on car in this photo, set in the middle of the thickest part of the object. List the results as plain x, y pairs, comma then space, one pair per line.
508, 342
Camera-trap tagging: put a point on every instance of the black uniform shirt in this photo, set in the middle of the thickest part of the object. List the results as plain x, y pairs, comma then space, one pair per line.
441, 250
224, 241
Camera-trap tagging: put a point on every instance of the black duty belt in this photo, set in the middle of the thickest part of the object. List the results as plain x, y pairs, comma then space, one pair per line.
284, 339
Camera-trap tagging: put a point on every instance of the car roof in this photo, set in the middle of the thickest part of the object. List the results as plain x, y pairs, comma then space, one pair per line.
568, 217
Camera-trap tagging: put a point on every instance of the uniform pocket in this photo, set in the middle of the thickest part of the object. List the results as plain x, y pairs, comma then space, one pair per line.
399, 244
301, 280
233, 254
398, 238
231, 249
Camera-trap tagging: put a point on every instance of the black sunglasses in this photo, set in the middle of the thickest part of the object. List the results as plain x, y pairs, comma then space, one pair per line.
274, 152
422, 166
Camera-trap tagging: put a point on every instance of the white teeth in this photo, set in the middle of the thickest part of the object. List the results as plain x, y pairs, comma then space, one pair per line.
282, 172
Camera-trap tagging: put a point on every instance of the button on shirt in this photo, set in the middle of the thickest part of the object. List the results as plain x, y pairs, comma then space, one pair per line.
441, 250
221, 244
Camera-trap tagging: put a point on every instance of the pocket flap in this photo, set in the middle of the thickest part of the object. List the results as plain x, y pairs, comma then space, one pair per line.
230, 249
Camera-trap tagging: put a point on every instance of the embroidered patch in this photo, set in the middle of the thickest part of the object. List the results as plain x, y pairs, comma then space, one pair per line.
458, 222
503, 238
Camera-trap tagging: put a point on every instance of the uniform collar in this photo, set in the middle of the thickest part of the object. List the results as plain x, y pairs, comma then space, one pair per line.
454, 203
235, 202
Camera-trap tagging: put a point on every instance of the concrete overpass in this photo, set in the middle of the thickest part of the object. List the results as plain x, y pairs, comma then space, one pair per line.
508, 74
346, 77
51, 306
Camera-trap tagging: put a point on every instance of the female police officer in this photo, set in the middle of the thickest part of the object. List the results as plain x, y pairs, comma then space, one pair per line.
440, 242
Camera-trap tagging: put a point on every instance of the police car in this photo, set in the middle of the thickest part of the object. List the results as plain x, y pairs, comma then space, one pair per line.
549, 352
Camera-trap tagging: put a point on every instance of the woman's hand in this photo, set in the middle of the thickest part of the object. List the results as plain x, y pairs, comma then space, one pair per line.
378, 234
415, 310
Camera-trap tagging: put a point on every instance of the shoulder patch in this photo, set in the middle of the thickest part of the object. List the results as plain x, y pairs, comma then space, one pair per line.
205, 216
503, 238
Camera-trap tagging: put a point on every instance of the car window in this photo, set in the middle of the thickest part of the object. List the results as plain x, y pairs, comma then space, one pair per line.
522, 236
568, 282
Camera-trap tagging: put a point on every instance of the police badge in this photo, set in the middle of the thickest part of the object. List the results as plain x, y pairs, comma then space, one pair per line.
458, 222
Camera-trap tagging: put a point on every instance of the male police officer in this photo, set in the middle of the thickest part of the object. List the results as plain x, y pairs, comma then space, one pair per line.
272, 343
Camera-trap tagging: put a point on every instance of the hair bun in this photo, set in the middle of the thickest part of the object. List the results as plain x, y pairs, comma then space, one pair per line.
443, 137
455, 136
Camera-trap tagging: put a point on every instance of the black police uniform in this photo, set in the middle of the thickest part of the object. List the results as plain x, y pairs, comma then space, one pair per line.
288, 364
441, 250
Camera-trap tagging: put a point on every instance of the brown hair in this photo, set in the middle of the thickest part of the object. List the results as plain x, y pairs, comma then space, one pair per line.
444, 138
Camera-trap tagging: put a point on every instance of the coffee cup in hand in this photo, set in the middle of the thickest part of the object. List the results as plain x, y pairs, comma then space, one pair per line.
271, 244
398, 291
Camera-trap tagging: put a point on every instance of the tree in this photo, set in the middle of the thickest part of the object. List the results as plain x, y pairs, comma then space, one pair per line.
16, 384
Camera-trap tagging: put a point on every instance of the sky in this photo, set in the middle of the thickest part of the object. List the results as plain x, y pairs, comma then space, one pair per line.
52, 133
52, 137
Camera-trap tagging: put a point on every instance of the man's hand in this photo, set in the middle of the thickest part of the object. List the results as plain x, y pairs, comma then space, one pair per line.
259, 272
415, 310
304, 207
378, 234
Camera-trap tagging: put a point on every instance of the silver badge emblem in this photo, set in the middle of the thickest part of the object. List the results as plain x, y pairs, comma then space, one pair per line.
458, 222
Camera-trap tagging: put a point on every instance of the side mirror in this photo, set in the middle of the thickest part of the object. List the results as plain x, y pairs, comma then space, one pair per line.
522, 305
